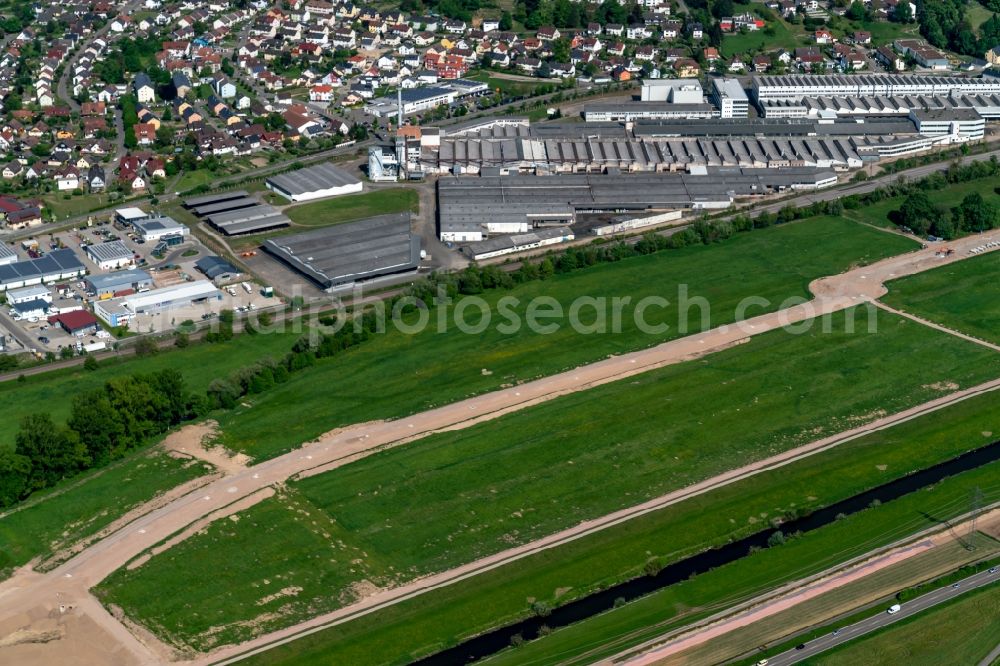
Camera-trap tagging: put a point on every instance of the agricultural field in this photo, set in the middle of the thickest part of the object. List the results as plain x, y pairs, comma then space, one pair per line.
353, 207
964, 296
963, 631
199, 364
454, 497
396, 374
81, 507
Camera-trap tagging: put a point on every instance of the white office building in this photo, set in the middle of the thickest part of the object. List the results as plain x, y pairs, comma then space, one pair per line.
728, 95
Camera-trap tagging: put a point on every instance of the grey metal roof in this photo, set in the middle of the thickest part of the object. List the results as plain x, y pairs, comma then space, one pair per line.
319, 177
109, 251
215, 198
213, 267
210, 208
6, 252
259, 217
118, 280
351, 252
161, 223
57, 261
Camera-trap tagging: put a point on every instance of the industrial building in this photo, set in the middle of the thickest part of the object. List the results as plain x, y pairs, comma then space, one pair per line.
235, 213
471, 209
33, 309
314, 182
217, 269
110, 255
501, 245
7, 255
129, 215
76, 322
57, 265
795, 87
26, 294
414, 100
154, 228
118, 283
120, 311
343, 254
730, 98
674, 91
629, 111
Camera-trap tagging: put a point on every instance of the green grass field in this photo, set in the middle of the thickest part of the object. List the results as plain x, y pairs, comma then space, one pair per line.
353, 207
81, 507
962, 631
454, 497
878, 214
200, 364
964, 296
442, 617
397, 374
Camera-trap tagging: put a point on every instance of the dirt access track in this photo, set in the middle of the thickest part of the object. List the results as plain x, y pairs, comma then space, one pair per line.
28, 597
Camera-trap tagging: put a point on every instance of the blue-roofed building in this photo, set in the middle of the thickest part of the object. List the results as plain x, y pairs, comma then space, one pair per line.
57, 265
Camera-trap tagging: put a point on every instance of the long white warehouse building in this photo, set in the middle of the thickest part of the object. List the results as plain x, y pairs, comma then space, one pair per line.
794, 87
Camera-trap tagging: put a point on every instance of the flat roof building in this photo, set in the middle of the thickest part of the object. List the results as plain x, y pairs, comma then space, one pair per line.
628, 111
25, 294
130, 215
353, 252
728, 95
155, 228
56, 265
314, 182
119, 311
257, 218
111, 255
109, 284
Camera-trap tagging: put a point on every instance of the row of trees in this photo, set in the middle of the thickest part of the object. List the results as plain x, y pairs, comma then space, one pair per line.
104, 424
922, 216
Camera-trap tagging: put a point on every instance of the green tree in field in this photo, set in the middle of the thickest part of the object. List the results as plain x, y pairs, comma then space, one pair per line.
917, 213
974, 214
54, 452
97, 423
15, 470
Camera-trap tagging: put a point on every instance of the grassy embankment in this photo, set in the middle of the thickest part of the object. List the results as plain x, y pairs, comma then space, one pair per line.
454, 497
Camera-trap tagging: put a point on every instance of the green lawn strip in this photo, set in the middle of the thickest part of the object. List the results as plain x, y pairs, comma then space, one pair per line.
442, 618
878, 213
52, 392
454, 497
397, 374
964, 296
959, 631
81, 507
353, 207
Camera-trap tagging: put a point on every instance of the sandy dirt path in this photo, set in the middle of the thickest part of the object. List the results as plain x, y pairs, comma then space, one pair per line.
794, 594
76, 576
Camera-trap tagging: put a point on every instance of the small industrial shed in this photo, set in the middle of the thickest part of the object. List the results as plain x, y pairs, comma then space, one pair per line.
77, 322
216, 268
111, 255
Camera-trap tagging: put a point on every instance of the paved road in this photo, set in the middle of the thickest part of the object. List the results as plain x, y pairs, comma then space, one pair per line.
866, 626
17, 332
991, 658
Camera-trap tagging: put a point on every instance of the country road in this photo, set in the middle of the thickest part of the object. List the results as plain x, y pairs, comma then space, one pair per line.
884, 619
